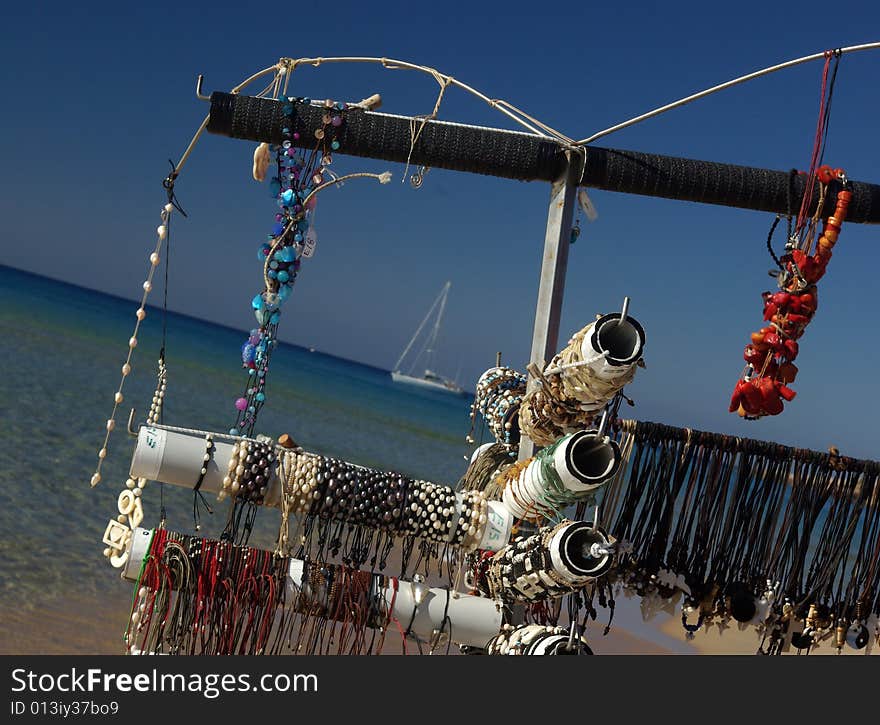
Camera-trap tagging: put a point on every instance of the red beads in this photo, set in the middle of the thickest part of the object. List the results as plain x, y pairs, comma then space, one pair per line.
773, 348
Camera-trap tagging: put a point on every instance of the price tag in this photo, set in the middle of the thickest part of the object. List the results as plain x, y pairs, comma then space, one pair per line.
587, 206
310, 243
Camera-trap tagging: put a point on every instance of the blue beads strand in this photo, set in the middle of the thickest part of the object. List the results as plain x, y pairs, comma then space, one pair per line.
294, 180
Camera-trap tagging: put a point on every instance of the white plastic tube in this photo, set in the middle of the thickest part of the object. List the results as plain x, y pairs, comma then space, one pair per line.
472, 621
469, 620
177, 458
536, 639
582, 461
532, 568
571, 553
617, 342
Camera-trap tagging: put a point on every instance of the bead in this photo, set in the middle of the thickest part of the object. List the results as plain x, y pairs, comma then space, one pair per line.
96, 479
118, 397
161, 230
154, 259
126, 369
148, 286
111, 424
132, 342
102, 454
141, 313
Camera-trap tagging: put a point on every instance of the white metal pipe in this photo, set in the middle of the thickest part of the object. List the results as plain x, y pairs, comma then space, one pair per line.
551, 287
176, 458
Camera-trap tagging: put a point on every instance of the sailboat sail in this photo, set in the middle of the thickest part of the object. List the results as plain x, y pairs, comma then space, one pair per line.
429, 379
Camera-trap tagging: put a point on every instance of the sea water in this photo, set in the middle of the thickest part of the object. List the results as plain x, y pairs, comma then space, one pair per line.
63, 348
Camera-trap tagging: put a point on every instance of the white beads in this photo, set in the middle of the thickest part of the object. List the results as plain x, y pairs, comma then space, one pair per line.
134, 488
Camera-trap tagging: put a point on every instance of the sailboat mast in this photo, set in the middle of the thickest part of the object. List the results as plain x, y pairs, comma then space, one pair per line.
442, 296
436, 331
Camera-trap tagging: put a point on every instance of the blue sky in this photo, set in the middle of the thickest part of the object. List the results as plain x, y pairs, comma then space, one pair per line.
99, 96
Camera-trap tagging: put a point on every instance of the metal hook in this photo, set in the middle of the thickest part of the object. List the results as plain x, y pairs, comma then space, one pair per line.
623, 311
418, 178
571, 633
199, 93
131, 432
603, 423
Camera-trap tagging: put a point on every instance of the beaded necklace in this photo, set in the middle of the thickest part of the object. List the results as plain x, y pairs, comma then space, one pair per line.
771, 353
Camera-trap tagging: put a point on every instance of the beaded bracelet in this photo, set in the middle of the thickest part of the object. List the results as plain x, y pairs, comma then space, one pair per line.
498, 395
232, 479
331, 489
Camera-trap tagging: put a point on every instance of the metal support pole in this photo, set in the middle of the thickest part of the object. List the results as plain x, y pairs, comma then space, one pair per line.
545, 335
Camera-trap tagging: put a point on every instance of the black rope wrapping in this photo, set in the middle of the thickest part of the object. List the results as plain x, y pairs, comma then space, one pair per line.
444, 145
527, 157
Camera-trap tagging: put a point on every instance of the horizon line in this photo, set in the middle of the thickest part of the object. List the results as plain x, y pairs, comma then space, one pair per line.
186, 315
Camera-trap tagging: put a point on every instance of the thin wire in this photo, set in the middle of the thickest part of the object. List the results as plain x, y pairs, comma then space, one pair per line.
391, 64
286, 66
723, 86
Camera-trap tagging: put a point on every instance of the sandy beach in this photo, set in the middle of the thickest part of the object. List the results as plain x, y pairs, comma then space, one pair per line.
93, 625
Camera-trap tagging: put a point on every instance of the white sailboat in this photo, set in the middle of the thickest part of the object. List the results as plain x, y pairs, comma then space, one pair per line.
429, 379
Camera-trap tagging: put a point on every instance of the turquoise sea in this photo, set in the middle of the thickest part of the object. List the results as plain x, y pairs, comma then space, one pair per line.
64, 346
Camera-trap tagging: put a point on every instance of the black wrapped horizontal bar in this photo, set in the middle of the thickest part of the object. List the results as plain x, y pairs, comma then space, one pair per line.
527, 157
